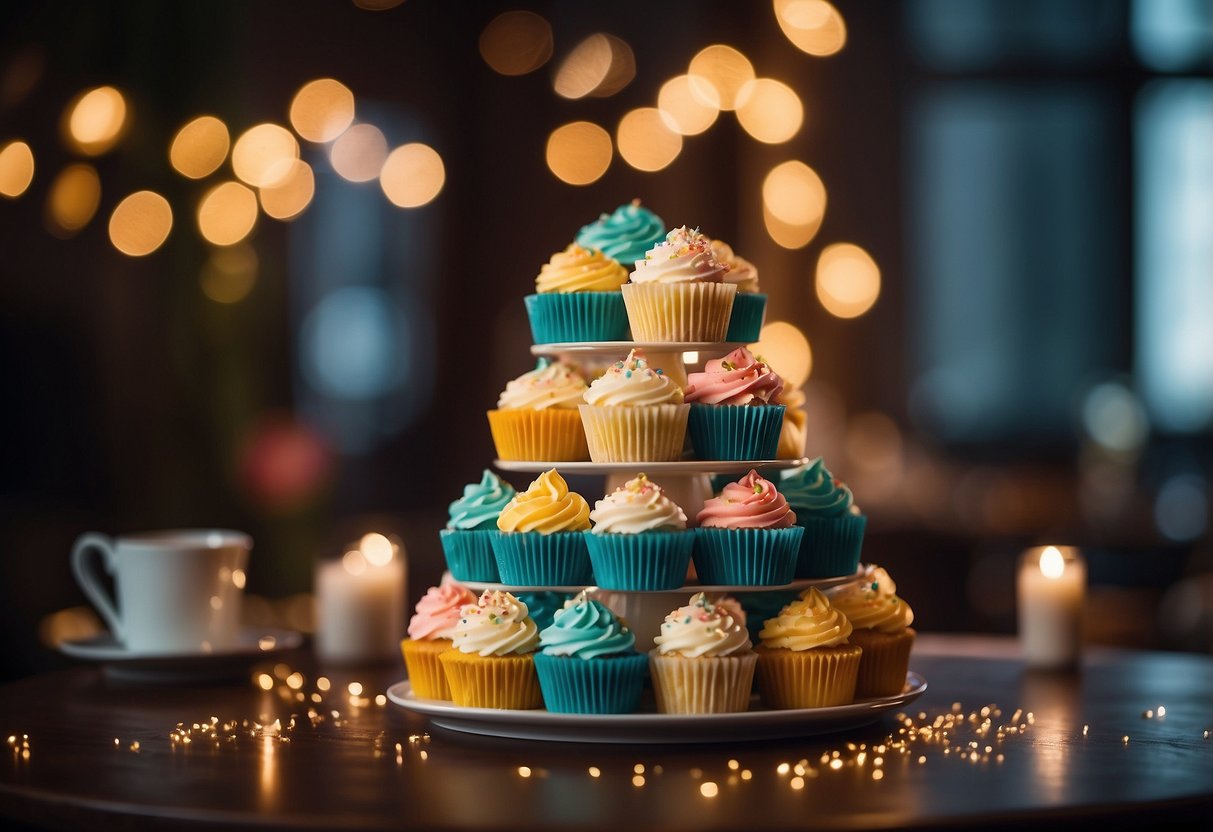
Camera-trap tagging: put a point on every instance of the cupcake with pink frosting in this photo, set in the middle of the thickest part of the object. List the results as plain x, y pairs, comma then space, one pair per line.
735, 411
747, 536
430, 632
678, 292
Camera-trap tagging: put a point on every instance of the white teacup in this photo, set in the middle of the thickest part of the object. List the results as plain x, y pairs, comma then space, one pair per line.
177, 591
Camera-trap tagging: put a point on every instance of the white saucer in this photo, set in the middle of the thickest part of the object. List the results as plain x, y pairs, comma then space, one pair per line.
253, 644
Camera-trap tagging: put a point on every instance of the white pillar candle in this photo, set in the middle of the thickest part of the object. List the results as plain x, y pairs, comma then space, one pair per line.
360, 603
1051, 590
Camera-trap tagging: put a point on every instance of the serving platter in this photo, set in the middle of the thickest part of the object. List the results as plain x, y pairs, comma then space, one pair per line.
654, 469
622, 347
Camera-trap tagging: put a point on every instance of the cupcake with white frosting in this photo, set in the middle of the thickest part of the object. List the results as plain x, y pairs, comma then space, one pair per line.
749, 305
639, 539
678, 292
536, 417
805, 658
634, 412
491, 661
703, 661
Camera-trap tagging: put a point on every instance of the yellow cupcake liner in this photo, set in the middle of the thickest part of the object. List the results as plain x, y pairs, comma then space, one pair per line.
678, 311
816, 678
425, 672
885, 662
702, 685
508, 682
656, 433
550, 435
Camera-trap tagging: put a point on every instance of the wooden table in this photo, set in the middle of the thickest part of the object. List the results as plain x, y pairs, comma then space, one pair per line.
87, 752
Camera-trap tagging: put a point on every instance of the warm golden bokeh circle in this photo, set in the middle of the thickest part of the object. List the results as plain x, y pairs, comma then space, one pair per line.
199, 147
227, 213
516, 42
322, 109
412, 176
73, 200
848, 280
786, 349
579, 152
140, 223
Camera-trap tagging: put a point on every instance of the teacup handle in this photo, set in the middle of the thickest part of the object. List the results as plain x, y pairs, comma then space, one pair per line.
88, 578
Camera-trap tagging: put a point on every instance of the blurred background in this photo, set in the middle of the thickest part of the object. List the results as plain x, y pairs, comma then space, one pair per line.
263, 268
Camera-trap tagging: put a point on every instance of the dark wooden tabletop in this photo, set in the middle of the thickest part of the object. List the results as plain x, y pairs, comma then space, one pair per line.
1125, 740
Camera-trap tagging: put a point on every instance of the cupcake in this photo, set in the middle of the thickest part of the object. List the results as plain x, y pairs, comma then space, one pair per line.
639, 540
587, 661
634, 412
467, 538
804, 657
677, 292
540, 543
625, 234
702, 661
881, 623
749, 306
542, 605
833, 524
747, 536
577, 298
793, 434
734, 408
491, 661
429, 635
536, 418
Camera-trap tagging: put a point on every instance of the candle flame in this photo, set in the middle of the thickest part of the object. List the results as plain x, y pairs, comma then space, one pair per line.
1052, 564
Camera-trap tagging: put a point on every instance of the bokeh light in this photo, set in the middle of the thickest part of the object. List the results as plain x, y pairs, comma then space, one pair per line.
227, 213
1115, 417
683, 109
412, 175
140, 223
786, 349
290, 196
812, 26
1181, 509
359, 153
262, 155
16, 169
646, 141
599, 66
769, 110
516, 42
848, 280
718, 73
229, 273
199, 147
73, 199
579, 152
322, 110
793, 203
95, 120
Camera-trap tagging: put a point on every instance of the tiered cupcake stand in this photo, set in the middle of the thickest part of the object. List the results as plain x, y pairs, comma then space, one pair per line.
688, 484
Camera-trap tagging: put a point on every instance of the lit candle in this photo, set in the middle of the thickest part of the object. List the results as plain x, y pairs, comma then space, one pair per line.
1052, 589
360, 603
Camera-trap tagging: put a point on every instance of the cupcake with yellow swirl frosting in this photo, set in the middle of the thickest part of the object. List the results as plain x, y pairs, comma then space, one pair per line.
703, 660
577, 298
678, 291
881, 622
634, 412
541, 541
536, 418
639, 539
491, 661
805, 659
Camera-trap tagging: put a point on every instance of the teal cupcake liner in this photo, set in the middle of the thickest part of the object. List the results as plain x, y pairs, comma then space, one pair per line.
732, 432
558, 318
745, 322
761, 606
830, 546
746, 557
535, 559
605, 685
469, 554
646, 561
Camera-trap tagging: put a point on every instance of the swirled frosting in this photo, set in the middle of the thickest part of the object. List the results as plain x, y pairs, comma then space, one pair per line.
814, 492
587, 629
542, 605
872, 603
737, 379
809, 621
496, 624
684, 256
702, 628
741, 272
750, 503
547, 506
625, 234
580, 269
439, 611
550, 384
639, 505
481, 503
633, 382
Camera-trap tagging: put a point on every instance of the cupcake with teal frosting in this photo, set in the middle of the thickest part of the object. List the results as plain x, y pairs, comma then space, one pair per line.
543, 605
588, 662
625, 234
467, 539
833, 524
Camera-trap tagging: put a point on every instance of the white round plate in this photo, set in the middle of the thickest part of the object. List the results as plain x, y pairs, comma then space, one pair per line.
622, 347
481, 586
689, 466
650, 727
